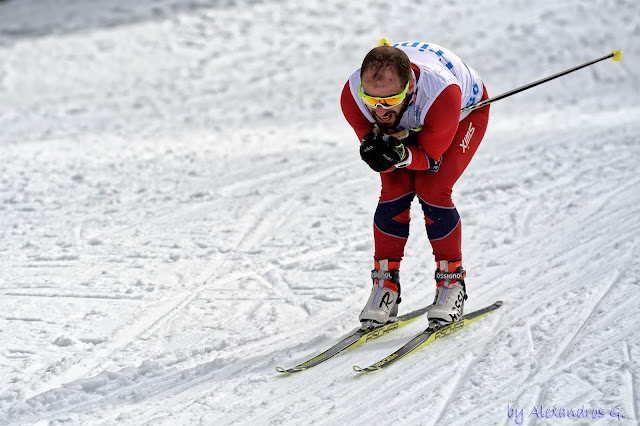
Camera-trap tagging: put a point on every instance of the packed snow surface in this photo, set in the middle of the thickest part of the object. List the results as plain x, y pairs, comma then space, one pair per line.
183, 208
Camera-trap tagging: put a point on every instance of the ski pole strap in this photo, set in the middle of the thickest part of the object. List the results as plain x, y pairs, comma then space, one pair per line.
451, 276
392, 275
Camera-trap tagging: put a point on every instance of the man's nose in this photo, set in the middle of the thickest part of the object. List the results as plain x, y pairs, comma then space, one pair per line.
380, 111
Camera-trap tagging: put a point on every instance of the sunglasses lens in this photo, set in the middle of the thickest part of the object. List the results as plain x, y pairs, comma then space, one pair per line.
392, 101
370, 101
389, 102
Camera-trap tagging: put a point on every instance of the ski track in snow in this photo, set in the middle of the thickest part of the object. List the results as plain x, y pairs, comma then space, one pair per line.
182, 209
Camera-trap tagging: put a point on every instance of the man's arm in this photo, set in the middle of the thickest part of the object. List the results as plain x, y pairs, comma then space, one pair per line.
353, 114
439, 128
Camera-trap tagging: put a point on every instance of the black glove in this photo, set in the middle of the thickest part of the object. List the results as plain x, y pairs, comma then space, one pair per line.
381, 151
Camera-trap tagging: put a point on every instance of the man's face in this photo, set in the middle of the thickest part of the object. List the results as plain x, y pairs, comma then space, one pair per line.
389, 85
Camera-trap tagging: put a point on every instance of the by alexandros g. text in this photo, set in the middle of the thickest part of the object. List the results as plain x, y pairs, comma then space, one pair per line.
519, 415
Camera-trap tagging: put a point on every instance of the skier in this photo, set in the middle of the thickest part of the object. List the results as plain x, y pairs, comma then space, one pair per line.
420, 87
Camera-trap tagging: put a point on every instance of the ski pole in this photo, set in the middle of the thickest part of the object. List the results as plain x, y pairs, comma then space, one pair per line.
615, 55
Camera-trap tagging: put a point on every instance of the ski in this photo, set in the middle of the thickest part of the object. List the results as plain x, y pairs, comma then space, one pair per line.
358, 337
430, 335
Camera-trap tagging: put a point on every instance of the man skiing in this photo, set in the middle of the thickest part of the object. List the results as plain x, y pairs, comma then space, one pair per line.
419, 87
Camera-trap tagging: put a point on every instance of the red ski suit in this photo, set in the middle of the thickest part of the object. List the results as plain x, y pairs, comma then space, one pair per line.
443, 137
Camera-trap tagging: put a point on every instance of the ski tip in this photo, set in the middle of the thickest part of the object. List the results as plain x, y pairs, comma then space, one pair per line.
498, 303
281, 370
364, 370
384, 42
617, 55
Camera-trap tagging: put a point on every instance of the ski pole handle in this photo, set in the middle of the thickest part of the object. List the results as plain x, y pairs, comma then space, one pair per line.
401, 134
398, 135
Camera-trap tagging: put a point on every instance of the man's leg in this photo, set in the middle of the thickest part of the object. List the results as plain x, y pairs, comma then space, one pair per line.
434, 188
391, 221
442, 220
390, 230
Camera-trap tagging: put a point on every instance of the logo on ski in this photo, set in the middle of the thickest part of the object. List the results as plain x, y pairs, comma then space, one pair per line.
448, 330
381, 331
385, 360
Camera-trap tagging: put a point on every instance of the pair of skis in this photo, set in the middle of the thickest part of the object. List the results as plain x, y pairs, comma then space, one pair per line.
363, 335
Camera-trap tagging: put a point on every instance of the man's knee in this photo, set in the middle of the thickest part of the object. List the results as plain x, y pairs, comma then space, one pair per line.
392, 217
439, 220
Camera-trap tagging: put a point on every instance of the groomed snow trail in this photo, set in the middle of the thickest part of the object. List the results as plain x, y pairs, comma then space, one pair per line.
183, 208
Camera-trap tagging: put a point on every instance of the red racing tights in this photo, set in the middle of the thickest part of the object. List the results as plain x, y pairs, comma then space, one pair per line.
433, 188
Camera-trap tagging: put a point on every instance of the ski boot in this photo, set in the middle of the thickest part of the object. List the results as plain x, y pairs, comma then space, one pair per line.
451, 292
382, 306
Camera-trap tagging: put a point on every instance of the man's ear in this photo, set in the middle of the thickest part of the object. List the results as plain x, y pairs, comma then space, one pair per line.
412, 84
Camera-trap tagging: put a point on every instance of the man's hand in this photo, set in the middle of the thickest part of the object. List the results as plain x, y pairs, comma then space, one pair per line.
381, 151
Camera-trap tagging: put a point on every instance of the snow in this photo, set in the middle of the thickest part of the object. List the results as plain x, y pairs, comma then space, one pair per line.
182, 209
